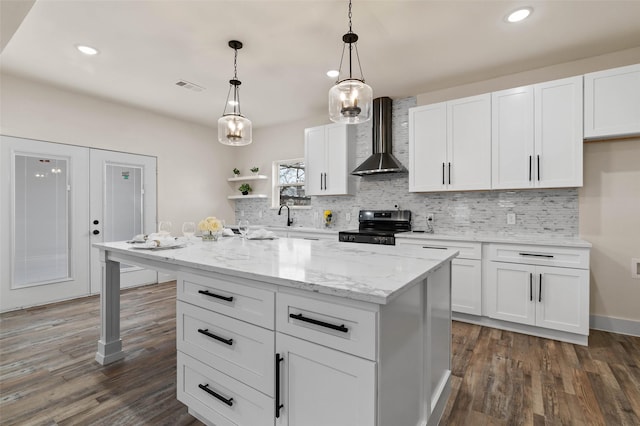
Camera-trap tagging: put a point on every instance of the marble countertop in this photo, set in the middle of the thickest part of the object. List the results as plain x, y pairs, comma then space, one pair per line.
367, 272
542, 240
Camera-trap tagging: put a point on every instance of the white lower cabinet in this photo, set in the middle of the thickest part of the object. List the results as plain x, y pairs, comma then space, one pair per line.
322, 386
533, 294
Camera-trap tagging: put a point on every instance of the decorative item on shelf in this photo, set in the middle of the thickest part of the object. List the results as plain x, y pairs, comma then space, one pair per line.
245, 188
328, 215
350, 99
236, 172
233, 128
255, 170
211, 228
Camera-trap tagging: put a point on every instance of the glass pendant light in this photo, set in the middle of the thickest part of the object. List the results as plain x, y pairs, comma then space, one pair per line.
350, 100
233, 128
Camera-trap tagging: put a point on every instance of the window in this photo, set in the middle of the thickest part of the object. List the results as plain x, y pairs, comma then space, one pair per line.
288, 184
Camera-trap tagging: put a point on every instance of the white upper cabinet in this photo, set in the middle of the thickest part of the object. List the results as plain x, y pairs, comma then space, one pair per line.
537, 135
329, 159
450, 145
612, 103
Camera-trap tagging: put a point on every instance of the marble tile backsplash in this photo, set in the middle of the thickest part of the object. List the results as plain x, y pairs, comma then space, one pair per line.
550, 211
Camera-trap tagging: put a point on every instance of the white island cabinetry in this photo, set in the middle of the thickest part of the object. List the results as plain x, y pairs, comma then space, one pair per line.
299, 332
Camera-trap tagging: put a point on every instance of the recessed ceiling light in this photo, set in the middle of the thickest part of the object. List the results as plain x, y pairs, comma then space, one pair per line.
333, 73
519, 15
87, 50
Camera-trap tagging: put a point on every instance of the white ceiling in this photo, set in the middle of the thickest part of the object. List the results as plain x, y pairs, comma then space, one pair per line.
406, 48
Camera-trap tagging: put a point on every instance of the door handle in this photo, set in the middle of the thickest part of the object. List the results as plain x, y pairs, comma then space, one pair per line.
443, 173
449, 173
538, 165
530, 161
96, 232
278, 406
530, 287
96, 222
540, 289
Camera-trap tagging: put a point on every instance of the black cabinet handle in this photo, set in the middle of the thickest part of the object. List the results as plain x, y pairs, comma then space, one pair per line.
530, 161
217, 296
320, 323
540, 289
228, 401
443, 173
213, 336
96, 221
278, 404
530, 287
437, 248
538, 163
449, 173
96, 232
549, 256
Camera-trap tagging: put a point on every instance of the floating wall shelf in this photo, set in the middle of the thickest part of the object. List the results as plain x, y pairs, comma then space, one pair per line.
238, 197
252, 177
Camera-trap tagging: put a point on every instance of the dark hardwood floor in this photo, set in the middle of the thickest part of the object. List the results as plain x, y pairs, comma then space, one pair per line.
48, 375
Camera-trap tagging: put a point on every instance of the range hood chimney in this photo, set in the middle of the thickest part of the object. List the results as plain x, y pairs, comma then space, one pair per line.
381, 161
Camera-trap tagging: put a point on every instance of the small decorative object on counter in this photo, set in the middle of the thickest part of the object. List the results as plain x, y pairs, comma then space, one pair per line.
236, 172
327, 218
245, 188
211, 228
255, 170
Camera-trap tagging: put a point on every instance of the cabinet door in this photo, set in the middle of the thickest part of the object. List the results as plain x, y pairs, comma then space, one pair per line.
315, 160
427, 147
558, 133
512, 138
563, 299
336, 163
511, 292
321, 386
612, 102
469, 143
466, 286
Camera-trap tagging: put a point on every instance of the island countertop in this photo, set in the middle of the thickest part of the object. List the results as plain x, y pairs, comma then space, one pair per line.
366, 272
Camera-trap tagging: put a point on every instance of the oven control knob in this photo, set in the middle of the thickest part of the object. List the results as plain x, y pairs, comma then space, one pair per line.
352, 238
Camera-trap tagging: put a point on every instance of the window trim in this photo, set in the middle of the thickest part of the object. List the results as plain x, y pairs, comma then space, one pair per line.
275, 183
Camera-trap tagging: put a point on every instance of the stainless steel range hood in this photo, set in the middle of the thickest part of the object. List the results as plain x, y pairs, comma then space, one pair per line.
381, 161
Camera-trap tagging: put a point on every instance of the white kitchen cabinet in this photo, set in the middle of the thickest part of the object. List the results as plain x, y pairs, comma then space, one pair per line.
322, 386
450, 145
329, 159
612, 103
466, 271
537, 135
526, 291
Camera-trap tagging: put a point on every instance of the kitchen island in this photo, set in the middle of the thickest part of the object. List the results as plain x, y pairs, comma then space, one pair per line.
299, 332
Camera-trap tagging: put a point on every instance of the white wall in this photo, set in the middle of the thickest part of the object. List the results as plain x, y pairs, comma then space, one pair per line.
192, 165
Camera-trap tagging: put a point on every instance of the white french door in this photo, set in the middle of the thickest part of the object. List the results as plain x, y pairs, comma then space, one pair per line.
123, 204
48, 201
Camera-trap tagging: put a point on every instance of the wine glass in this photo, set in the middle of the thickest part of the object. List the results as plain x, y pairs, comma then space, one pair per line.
243, 227
164, 228
188, 230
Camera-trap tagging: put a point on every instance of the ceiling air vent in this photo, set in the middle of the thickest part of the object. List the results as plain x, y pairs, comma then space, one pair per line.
190, 86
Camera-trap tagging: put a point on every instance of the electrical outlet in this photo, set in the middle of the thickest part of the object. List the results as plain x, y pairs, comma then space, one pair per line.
635, 268
348, 216
431, 217
511, 218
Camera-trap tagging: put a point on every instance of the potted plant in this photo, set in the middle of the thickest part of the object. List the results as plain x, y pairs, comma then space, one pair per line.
255, 170
245, 188
236, 172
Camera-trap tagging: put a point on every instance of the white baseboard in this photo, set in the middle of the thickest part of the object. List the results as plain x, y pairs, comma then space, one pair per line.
615, 325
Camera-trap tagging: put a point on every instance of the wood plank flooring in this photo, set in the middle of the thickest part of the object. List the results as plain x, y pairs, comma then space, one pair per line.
48, 375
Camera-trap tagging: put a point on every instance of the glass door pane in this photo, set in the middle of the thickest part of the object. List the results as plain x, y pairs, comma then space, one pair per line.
41, 212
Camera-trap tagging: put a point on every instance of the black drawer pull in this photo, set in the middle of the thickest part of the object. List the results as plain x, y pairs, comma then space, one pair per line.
205, 388
213, 336
548, 256
217, 296
279, 359
433, 247
321, 323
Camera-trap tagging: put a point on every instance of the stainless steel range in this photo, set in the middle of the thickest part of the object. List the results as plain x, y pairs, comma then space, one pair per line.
378, 227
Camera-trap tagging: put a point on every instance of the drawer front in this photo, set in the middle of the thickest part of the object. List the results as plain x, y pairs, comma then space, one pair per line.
466, 249
235, 403
238, 349
229, 297
345, 328
540, 255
